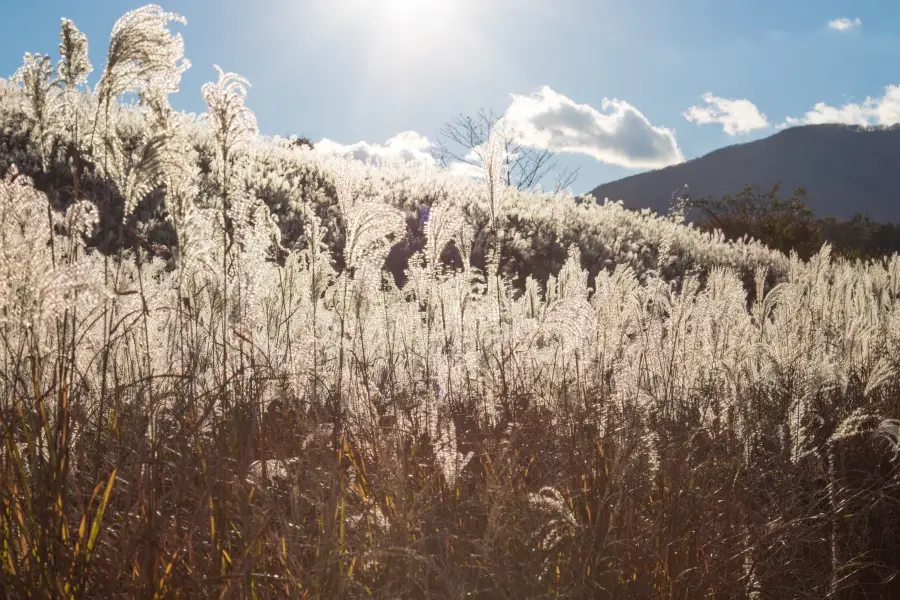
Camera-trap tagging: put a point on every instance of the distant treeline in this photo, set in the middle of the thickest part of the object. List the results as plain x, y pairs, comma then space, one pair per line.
788, 223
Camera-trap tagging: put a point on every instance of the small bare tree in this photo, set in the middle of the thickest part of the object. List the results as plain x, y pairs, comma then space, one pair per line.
464, 140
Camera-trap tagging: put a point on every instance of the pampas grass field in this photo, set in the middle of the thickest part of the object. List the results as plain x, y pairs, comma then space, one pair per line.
233, 367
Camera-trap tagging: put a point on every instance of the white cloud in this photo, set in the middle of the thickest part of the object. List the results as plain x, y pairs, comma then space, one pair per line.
881, 111
845, 24
736, 116
466, 170
618, 134
404, 147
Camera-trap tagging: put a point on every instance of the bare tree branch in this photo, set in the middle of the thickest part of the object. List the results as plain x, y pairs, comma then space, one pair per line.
465, 135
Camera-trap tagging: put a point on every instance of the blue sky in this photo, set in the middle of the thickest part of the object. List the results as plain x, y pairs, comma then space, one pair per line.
609, 84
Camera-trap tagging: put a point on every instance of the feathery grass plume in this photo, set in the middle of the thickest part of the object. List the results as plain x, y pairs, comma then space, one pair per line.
315, 257
34, 291
496, 163
74, 66
568, 313
560, 524
180, 174
344, 185
35, 77
134, 158
369, 224
142, 53
146, 59
449, 459
446, 222
233, 123
889, 429
72, 72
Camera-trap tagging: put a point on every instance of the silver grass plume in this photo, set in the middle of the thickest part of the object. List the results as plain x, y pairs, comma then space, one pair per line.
146, 59
179, 173
445, 222
495, 165
74, 66
858, 424
136, 168
233, 125
35, 77
142, 53
315, 258
560, 524
34, 290
72, 72
232, 121
449, 459
369, 224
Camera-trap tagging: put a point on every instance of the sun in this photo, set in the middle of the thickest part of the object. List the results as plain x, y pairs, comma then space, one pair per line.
394, 37
379, 21
401, 20
413, 10
392, 15
403, 47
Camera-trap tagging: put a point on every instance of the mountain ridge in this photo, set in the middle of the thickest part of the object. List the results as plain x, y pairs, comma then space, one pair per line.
844, 169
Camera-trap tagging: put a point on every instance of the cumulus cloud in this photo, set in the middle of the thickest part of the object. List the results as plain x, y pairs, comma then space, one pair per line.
617, 134
881, 111
844, 24
405, 147
466, 170
735, 116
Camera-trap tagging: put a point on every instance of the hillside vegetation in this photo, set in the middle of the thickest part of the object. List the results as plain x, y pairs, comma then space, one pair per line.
235, 367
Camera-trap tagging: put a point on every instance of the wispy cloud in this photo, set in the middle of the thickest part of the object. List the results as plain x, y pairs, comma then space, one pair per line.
845, 24
881, 111
735, 116
617, 134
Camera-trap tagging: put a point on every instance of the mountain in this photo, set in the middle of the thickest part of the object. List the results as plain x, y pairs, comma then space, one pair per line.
844, 170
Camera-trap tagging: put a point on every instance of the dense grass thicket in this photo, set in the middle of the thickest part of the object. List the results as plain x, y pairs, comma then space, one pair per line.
235, 367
